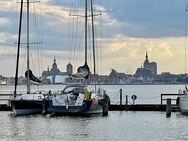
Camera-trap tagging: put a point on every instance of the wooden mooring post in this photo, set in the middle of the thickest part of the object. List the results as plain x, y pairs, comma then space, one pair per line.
168, 107
120, 97
126, 100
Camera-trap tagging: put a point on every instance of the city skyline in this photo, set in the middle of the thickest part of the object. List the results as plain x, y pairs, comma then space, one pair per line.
129, 30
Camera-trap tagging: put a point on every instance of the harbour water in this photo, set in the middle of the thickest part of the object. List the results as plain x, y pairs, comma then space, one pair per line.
117, 126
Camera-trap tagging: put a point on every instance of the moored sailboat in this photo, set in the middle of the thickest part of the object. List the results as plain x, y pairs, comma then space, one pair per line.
77, 99
183, 101
28, 102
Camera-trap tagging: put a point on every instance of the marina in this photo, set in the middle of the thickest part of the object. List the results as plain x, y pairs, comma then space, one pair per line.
119, 70
121, 100
117, 107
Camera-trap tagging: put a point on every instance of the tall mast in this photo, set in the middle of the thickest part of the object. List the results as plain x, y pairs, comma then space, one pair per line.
93, 40
86, 31
18, 49
28, 80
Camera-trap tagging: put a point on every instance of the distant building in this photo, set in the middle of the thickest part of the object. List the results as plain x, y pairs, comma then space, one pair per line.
149, 69
116, 77
55, 75
141, 72
69, 69
150, 66
54, 70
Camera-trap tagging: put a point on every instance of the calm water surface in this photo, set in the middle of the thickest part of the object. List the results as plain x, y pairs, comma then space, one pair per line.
118, 126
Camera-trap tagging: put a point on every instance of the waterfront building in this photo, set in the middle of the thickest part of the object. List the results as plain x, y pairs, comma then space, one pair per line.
149, 69
69, 69
55, 75
115, 77
152, 67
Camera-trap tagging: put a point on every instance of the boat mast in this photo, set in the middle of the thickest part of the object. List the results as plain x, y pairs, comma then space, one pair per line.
93, 40
18, 49
28, 81
86, 31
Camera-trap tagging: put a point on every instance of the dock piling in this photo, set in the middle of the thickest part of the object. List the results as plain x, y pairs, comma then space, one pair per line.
168, 107
126, 99
120, 97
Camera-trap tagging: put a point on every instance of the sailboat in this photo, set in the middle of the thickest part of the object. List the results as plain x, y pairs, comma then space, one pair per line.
26, 103
77, 99
183, 101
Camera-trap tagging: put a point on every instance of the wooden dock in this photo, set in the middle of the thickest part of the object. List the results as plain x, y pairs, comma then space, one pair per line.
137, 107
5, 107
118, 107
142, 107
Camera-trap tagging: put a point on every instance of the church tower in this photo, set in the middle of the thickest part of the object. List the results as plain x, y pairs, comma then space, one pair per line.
54, 68
150, 66
69, 69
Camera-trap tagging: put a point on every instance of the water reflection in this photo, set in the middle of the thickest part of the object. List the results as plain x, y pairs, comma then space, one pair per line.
118, 126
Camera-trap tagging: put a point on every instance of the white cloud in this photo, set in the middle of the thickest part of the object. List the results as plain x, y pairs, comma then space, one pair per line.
128, 53
7, 37
4, 21
124, 52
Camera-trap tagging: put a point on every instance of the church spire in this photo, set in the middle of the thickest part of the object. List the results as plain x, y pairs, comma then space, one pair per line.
54, 60
146, 61
146, 55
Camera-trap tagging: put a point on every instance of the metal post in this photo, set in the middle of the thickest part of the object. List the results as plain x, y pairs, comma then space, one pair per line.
28, 52
133, 101
168, 108
126, 99
120, 97
18, 49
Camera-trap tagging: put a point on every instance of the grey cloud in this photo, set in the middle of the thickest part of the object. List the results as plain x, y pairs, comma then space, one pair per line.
149, 18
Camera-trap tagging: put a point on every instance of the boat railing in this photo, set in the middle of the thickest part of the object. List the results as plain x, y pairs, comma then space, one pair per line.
5, 96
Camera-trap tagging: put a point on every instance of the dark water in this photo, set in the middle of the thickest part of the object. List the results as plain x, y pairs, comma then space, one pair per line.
118, 126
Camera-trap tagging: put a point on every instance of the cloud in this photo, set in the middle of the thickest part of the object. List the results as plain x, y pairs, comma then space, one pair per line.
129, 47
4, 21
148, 18
128, 53
128, 28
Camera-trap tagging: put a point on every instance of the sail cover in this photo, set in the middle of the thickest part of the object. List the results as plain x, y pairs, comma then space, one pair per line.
82, 72
32, 77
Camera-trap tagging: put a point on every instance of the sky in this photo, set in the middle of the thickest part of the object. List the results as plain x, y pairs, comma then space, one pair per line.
126, 30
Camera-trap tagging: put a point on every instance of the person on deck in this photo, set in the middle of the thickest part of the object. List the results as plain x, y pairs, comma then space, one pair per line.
86, 95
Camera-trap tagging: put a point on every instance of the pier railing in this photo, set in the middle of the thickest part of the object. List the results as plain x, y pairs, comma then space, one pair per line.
173, 97
7, 95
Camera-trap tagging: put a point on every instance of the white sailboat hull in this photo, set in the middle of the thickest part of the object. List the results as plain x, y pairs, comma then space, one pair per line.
184, 104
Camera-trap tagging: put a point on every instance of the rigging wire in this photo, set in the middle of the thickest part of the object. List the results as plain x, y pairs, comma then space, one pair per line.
186, 9
76, 33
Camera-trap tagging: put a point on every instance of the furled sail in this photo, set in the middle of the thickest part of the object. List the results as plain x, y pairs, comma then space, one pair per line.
82, 72
32, 77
